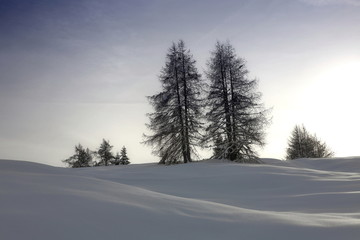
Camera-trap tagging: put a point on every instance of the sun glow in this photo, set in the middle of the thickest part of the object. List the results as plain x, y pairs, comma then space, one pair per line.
336, 86
330, 105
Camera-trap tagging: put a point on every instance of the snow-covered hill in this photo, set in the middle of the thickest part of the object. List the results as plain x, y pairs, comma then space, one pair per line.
301, 199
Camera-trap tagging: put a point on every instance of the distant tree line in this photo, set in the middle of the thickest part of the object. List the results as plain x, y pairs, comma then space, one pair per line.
102, 157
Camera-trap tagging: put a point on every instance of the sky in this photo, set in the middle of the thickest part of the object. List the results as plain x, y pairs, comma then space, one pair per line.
79, 71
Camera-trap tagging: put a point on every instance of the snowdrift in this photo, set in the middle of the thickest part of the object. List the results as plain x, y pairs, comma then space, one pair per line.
301, 199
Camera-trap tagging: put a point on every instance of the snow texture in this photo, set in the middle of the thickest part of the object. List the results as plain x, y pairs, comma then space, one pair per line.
299, 199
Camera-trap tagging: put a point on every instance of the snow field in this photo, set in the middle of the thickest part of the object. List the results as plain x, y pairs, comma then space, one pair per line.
301, 199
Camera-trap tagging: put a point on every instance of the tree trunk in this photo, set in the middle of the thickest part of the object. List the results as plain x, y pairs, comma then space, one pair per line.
186, 113
183, 143
233, 154
226, 110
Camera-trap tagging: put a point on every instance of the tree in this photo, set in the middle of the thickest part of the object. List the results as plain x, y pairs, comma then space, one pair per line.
117, 159
81, 158
124, 159
175, 122
235, 111
302, 144
105, 153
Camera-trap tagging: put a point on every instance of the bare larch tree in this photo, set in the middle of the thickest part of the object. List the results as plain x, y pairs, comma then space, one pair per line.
235, 114
175, 122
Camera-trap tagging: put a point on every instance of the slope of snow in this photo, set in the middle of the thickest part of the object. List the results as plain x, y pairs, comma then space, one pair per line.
301, 199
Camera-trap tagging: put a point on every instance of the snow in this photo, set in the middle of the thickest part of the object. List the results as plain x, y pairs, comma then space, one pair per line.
300, 199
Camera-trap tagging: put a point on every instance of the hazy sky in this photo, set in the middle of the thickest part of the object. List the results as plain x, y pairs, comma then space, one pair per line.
78, 71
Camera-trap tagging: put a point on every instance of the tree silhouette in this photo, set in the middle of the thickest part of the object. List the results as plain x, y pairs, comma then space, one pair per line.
235, 111
81, 158
175, 123
105, 153
124, 159
304, 145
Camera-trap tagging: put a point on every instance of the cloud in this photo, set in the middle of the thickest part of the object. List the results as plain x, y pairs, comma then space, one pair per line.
332, 2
